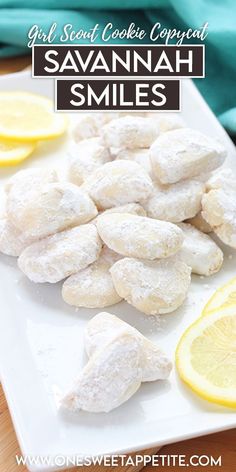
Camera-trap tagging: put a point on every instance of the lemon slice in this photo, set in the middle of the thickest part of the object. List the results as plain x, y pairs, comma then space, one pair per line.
206, 356
28, 117
225, 295
12, 152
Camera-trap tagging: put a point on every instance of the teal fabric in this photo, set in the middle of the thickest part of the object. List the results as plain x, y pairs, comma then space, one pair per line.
218, 88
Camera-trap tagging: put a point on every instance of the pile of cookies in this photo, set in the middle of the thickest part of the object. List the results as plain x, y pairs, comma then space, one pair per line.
130, 221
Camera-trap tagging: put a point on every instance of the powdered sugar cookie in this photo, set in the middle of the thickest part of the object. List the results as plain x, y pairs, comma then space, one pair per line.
56, 257
141, 156
88, 125
93, 287
223, 177
167, 121
85, 159
130, 132
117, 183
53, 208
12, 241
200, 223
175, 202
132, 208
227, 233
28, 180
111, 376
139, 236
104, 327
184, 153
199, 251
153, 287
219, 210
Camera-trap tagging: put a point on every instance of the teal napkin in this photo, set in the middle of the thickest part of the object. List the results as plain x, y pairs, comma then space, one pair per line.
218, 88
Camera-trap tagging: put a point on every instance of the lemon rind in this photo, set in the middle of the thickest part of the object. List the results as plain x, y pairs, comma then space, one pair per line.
15, 156
206, 309
224, 400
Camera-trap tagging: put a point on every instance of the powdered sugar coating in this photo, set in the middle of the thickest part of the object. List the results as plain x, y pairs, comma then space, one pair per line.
199, 251
219, 210
132, 208
141, 156
200, 223
104, 327
85, 159
28, 180
184, 153
227, 233
167, 121
111, 376
155, 287
93, 287
175, 202
52, 208
139, 236
117, 183
56, 257
12, 240
223, 177
88, 125
130, 132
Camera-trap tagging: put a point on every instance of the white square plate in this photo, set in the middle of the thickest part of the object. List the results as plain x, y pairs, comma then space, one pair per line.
41, 342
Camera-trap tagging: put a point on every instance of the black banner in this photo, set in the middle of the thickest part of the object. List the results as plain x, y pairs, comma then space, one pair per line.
118, 61
125, 95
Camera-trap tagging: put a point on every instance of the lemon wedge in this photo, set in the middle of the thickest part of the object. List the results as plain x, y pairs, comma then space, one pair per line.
225, 295
12, 152
206, 356
29, 117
